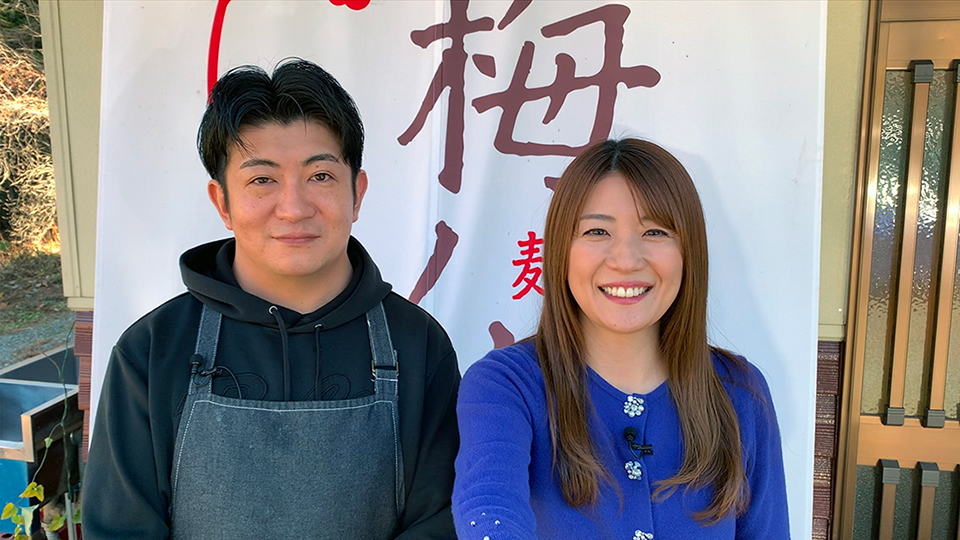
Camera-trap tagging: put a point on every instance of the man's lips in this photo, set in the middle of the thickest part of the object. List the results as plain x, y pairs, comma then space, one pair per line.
296, 238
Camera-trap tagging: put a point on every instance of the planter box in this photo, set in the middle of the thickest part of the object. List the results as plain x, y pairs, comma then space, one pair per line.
31, 407
41, 368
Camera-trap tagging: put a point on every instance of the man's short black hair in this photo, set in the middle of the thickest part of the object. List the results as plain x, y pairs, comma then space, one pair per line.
298, 90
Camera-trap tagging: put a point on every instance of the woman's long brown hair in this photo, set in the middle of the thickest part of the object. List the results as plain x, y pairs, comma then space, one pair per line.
711, 433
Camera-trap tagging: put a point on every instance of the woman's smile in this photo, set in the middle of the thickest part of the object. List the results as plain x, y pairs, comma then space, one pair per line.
625, 292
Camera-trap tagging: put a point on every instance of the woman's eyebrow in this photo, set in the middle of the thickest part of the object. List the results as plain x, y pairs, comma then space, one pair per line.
602, 217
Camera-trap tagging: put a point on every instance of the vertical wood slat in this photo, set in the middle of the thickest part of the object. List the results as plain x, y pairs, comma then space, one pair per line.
922, 76
888, 499
929, 480
865, 205
945, 273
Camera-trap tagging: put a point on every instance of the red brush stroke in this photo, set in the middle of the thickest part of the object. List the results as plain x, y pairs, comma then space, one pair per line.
213, 57
442, 251
486, 64
514, 11
355, 5
500, 335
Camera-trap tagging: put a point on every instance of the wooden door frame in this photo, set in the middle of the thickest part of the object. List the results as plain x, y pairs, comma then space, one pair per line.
883, 18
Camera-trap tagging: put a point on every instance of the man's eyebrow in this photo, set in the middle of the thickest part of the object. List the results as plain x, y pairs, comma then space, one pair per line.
602, 217
320, 157
257, 162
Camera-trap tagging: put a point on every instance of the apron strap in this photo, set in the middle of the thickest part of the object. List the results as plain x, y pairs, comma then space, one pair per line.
384, 363
205, 353
208, 336
385, 374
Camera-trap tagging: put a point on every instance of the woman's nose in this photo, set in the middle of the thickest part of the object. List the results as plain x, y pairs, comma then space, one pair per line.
628, 253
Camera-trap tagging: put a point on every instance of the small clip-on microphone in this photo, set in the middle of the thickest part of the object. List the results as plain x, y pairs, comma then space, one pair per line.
637, 449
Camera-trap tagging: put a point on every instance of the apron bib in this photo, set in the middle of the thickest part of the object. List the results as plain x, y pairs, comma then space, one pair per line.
270, 469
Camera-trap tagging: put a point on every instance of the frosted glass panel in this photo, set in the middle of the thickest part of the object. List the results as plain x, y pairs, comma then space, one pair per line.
951, 402
932, 193
894, 132
866, 507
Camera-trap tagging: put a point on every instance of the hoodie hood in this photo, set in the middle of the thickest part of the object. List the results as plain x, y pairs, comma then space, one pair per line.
207, 271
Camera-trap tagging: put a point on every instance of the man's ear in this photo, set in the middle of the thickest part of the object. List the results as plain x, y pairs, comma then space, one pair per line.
361, 189
219, 199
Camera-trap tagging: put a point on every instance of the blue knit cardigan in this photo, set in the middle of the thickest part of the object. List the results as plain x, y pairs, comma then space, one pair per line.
505, 487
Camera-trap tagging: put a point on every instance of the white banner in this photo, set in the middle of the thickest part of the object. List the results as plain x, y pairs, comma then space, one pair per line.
471, 110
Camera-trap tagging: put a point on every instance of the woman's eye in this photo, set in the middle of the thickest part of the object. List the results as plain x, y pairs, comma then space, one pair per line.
595, 232
657, 233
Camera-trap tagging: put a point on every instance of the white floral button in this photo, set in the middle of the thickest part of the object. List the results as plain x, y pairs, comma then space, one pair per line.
640, 535
633, 470
633, 406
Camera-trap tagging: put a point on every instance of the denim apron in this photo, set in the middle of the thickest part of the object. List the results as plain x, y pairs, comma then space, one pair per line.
275, 469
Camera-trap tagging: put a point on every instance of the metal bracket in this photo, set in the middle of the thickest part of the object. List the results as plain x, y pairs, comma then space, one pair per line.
922, 71
935, 418
891, 471
893, 416
929, 473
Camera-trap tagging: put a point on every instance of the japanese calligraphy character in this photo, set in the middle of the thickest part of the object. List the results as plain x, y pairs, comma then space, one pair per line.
610, 75
530, 274
450, 74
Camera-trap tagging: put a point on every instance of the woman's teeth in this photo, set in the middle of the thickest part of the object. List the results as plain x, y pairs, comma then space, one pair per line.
625, 292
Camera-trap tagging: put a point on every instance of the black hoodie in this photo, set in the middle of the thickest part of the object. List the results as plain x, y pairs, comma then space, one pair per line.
127, 490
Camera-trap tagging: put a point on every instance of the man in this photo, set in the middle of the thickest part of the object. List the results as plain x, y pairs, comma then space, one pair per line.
289, 392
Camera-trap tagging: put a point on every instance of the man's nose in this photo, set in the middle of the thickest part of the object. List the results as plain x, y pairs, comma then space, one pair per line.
294, 203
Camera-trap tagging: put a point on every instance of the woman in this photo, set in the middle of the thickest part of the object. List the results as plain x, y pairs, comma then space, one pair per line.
617, 419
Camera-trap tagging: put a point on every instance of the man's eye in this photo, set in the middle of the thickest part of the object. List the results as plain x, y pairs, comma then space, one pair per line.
261, 180
321, 177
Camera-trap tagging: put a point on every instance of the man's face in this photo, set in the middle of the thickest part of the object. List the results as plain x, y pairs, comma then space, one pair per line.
291, 205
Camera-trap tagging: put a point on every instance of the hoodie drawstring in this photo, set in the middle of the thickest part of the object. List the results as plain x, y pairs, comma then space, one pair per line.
286, 357
316, 382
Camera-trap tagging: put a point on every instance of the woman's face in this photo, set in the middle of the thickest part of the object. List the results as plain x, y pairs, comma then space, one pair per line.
625, 270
